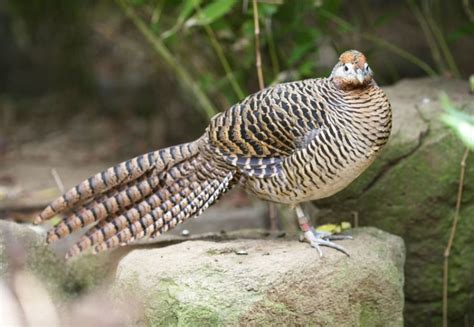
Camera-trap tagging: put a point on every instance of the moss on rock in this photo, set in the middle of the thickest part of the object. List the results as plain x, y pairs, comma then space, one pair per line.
277, 283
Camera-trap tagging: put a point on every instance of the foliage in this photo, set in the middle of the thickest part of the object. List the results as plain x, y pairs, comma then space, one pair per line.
208, 45
460, 122
294, 34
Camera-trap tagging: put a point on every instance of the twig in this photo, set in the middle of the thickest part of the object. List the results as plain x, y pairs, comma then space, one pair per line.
57, 179
447, 251
169, 58
258, 57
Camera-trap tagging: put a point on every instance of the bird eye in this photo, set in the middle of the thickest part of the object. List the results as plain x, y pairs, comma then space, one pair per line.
346, 68
366, 67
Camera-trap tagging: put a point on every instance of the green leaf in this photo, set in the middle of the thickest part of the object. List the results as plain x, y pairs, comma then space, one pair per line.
299, 51
137, 3
307, 68
463, 129
343, 25
463, 31
333, 6
460, 122
267, 9
211, 13
186, 10
384, 19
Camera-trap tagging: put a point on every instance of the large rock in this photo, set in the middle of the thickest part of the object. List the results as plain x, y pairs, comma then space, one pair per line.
23, 245
201, 283
236, 282
411, 191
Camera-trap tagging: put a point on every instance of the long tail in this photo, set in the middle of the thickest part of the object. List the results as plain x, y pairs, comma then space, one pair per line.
141, 197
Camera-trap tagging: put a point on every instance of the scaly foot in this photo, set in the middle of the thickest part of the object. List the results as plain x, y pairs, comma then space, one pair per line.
317, 239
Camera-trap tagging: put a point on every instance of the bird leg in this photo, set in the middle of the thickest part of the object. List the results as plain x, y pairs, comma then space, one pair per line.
317, 239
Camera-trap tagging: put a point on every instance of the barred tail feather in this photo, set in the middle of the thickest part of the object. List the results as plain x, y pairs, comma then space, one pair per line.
106, 206
116, 201
136, 230
114, 224
148, 205
117, 175
202, 195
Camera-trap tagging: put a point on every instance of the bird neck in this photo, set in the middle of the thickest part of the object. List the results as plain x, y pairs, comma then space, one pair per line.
344, 85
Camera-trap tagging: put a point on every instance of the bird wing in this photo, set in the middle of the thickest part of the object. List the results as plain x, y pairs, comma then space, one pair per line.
258, 134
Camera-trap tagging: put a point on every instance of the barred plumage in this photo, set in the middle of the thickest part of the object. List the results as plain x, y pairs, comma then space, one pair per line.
289, 143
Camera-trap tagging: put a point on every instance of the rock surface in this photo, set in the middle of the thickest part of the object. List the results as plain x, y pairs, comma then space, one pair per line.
239, 282
26, 247
411, 191
270, 283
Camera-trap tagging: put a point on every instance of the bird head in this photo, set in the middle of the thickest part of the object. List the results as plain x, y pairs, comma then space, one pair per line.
352, 71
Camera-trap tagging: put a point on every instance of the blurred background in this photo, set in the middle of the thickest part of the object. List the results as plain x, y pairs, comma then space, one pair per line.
85, 84
147, 86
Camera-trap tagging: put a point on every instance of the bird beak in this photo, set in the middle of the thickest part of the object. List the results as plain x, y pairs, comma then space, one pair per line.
360, 76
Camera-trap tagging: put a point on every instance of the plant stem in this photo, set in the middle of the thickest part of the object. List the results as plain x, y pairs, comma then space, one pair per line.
438, 34
272, 47
156, 14
382, 43
467, 9
402, 53
166, 55
222, 58
447, 251
428, 35
258, 56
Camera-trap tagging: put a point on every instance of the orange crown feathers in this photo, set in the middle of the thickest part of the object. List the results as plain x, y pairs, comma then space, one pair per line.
353, 57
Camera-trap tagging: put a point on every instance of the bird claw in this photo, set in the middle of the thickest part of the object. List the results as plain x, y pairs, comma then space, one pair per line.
317, 239
330, 236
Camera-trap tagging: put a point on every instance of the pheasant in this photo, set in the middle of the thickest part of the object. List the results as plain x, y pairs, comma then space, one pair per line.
289, 143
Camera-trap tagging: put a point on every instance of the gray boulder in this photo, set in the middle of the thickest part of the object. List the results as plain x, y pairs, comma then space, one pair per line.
268, 282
